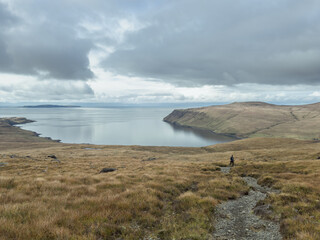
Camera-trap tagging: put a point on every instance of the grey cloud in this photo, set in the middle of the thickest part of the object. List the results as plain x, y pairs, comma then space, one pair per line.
6, 18
44, 40
225, 42
46, 90
184, 42
4, 57
52, 50
6, 21
139, 97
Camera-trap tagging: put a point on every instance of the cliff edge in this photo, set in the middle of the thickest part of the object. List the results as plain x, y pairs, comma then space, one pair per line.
253, 119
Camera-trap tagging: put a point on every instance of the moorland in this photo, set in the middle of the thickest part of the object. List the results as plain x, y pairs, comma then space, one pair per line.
253, 119
52, 190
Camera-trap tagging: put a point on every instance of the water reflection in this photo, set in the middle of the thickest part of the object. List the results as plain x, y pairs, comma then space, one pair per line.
113, 126
205, 134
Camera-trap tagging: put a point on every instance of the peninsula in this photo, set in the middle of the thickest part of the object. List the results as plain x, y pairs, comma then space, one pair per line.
253, 119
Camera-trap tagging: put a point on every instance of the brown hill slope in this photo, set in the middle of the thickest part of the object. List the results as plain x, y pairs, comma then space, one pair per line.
253, 119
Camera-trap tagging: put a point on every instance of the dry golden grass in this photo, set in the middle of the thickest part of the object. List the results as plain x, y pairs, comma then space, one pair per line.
291, 166
171, 197
253, 119
298, 205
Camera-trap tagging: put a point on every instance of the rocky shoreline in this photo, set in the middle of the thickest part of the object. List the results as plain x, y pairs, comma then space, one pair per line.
8, 126
15, 120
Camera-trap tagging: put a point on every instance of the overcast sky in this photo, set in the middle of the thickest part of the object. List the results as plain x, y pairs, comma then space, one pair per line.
143, 51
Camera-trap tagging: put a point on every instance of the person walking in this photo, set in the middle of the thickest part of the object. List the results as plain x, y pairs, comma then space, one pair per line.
231, 161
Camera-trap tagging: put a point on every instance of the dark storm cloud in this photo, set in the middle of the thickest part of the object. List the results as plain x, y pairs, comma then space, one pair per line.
46, 39
6, 21
225, 42
42, 40
53, 51
185, 42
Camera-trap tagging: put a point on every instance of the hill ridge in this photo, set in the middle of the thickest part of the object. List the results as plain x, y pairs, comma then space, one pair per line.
253, 119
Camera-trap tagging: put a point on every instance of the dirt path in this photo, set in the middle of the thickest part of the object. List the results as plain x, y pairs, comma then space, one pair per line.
235, 218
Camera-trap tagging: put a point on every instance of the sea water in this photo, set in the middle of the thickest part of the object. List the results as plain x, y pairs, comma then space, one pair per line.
112, 126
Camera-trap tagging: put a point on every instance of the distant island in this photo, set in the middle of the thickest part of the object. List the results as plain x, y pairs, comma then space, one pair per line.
253, 119
51, 106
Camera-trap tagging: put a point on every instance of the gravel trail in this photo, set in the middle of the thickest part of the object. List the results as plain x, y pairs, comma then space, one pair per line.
236, 220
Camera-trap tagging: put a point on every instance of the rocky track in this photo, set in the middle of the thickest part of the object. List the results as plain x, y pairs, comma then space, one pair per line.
235, 219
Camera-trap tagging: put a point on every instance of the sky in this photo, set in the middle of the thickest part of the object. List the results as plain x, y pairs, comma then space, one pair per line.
159, 51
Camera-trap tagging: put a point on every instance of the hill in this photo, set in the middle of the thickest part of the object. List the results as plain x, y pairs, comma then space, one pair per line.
253, 119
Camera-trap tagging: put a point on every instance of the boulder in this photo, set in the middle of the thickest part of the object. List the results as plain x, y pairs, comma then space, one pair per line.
105, 170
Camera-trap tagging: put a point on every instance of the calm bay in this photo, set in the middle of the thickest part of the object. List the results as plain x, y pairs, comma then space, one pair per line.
112, 126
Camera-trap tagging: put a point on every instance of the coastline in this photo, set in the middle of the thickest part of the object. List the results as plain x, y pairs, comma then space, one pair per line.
120, 127
47, 176
12, 121
13, 136
235, 137
252, 119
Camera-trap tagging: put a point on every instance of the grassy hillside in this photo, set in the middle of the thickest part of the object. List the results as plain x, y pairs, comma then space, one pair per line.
155, 193
253, 119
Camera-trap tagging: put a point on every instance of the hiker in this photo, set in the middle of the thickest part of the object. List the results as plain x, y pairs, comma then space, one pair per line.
231, 161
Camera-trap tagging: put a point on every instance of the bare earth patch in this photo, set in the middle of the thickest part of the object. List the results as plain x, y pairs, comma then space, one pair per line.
236, 220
